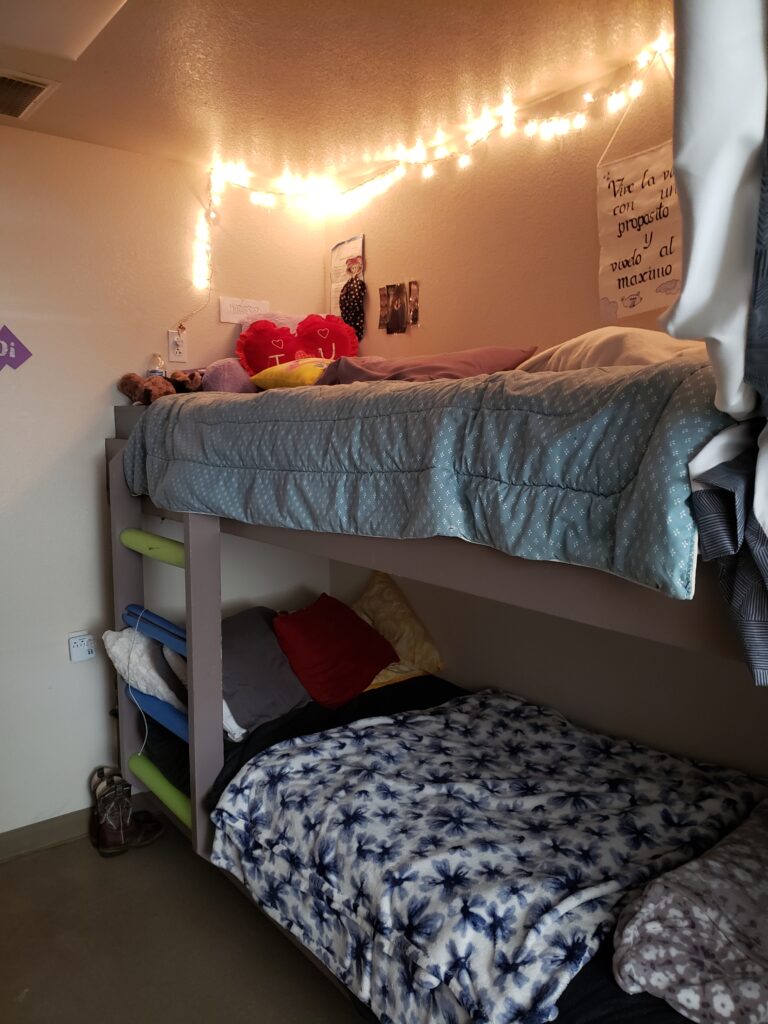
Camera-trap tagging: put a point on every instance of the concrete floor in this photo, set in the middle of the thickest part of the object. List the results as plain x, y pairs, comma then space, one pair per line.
153, 935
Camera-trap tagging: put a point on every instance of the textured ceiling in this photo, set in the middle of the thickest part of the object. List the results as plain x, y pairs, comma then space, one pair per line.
316, 82
61, 28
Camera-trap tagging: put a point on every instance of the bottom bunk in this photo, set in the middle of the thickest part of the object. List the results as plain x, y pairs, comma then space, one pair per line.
454, 856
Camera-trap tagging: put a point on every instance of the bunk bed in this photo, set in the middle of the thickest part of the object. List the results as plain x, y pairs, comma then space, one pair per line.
256, 814
577, 592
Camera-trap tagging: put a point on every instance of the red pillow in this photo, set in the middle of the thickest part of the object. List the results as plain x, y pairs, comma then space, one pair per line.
334, 652
263, 344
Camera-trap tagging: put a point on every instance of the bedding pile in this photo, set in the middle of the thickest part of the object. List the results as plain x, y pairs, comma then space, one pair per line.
462, 864
587, 467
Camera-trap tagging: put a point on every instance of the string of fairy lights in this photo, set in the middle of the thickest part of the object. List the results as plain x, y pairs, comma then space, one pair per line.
322, 196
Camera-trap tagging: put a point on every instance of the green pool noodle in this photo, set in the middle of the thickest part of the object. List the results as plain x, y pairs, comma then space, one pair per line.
157, 783
152, 545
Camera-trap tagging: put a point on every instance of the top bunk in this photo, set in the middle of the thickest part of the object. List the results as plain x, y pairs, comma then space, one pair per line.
591, 467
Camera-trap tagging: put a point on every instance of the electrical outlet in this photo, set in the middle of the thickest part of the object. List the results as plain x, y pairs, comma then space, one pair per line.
177, 347
81, 646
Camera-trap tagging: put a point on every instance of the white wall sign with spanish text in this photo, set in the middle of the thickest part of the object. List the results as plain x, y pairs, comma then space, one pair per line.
640, 228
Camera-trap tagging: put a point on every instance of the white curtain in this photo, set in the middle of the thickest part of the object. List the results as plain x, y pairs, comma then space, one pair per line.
720, 107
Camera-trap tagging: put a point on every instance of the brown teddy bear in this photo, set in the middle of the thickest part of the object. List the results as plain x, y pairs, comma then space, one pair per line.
146, 390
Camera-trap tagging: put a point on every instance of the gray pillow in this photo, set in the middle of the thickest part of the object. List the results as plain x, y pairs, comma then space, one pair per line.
697, 937
259, 683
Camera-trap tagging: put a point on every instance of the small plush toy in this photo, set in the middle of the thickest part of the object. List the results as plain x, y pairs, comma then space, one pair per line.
185, 382
146, 390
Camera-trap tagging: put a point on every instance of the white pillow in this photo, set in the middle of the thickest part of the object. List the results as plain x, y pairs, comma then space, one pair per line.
613, 346
139, 660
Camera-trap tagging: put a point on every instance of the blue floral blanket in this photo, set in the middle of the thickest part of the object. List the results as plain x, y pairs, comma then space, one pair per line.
588, 467
461, 864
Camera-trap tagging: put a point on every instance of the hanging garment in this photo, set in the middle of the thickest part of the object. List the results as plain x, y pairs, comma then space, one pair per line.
352, 305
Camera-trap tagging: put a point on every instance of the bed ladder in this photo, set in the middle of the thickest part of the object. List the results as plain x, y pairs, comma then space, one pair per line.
202, 586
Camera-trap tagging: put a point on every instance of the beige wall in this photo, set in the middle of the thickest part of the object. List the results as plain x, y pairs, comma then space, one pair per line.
506, 251
94, 267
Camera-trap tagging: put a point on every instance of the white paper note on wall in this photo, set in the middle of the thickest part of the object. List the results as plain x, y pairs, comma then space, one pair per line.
641, 243
234, 311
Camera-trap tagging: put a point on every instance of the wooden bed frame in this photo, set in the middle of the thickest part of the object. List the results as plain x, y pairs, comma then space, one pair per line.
571, 592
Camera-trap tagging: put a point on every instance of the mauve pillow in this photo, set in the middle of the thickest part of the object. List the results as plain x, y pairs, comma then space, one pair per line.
470, 362
227, 375
258, 682
334, 653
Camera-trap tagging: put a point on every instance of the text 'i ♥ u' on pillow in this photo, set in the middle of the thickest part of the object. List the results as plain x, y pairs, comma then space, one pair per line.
265, 344
295, 374
384, 606
334, 653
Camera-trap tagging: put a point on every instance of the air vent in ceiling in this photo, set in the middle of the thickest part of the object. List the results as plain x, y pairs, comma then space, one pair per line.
19, 95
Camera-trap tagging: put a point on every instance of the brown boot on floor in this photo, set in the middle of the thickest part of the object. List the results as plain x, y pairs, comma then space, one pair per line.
115, 828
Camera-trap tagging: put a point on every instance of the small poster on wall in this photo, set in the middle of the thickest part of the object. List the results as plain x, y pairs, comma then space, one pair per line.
413, 303
347, 260
640, 228
397, 308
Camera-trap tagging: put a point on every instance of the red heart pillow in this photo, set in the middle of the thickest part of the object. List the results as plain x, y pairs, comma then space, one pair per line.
263, 344
327, 336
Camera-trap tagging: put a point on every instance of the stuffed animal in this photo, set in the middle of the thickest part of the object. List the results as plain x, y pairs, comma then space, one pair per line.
146, 390
186, 382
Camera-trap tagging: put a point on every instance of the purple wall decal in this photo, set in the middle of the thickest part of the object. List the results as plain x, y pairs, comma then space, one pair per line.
12, 352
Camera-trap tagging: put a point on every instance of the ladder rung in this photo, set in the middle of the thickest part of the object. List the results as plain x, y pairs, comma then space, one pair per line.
165, 791
152, 545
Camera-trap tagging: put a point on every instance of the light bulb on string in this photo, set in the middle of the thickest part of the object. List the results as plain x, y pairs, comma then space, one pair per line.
635, 88
427, 171
464, 161
507, 112
615, 101
265, 199
479, 128
531, 128
546, 130
662, 43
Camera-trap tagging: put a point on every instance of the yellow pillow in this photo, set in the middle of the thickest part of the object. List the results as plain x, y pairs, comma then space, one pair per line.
383, 606
296, 374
